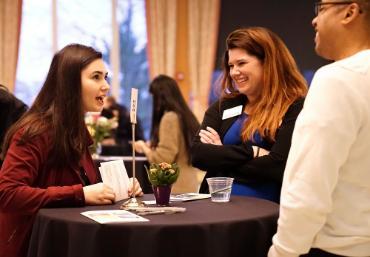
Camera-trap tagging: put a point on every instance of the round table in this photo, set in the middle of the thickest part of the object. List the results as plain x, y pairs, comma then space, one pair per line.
242, 227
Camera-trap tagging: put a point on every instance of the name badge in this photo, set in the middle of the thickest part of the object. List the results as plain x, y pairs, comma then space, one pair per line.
232, 112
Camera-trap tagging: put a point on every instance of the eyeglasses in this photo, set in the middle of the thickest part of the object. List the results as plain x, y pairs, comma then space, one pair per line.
318, 5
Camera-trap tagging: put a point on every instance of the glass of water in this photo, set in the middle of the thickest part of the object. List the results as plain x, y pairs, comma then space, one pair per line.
220, 188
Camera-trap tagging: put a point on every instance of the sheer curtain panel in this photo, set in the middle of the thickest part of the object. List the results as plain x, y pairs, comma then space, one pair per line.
10, 20
161, 29
202, 34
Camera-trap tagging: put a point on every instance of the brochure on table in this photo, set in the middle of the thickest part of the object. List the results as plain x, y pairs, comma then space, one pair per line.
188, 197
113, 216
182, 198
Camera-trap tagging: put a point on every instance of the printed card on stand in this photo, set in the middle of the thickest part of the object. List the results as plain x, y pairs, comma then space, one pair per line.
114, 174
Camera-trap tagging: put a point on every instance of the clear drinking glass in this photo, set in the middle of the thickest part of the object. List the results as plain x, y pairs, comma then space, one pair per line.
220, 188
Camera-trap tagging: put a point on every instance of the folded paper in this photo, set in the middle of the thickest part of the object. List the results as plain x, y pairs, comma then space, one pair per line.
114, 175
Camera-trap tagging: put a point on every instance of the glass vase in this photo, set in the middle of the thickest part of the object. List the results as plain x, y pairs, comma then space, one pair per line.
95, 149
162, 194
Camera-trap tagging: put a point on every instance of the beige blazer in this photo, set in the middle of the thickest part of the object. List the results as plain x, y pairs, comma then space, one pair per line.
170, 149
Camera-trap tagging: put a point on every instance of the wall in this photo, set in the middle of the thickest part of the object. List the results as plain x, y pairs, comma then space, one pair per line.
290, 19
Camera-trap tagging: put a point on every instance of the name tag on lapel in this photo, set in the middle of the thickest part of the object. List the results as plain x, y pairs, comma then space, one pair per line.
232, 112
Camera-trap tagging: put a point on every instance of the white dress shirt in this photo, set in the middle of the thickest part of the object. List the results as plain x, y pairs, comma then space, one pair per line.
325, 198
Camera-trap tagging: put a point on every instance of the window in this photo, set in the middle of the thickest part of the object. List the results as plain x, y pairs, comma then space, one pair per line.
90, 23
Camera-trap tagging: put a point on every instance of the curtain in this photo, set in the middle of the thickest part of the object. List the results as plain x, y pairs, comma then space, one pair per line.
10, 24
202, 34
161, 29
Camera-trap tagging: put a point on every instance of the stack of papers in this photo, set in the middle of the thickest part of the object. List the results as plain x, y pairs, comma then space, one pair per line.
182, 198
145, 210
114, 175
113, 216
188, 197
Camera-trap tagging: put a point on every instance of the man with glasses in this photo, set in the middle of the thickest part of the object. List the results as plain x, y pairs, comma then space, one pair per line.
325, 198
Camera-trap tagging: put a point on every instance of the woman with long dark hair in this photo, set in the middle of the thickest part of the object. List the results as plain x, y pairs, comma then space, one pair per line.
173, 128
11, 109
247, 133
47, 162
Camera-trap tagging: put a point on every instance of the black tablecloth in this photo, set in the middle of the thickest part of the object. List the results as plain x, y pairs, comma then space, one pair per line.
242, 227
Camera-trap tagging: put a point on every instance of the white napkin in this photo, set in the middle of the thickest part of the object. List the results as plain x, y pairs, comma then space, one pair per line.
114, 174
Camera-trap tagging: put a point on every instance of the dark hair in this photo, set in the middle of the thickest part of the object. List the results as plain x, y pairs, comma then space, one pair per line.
282, 82
58, 107
167, 97
365, 8
11, 109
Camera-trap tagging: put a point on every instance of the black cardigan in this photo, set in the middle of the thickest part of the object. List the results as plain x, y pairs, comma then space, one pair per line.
237, 160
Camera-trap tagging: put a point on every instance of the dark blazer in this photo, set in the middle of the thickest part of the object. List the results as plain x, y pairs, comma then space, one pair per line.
237, 160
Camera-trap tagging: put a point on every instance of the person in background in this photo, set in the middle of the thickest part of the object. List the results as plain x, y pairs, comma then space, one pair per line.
123, 133
246, 134
11, 109
47, 162
325, 198
173, 127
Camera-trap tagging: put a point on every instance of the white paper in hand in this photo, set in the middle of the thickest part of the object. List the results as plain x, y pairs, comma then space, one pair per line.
133, 109
114, 174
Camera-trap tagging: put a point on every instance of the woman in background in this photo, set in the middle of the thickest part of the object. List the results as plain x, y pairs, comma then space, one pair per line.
173, 128
11, 109
247, 133
122, 135
47, 162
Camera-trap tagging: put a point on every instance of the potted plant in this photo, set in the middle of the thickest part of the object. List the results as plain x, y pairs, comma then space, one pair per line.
162, 176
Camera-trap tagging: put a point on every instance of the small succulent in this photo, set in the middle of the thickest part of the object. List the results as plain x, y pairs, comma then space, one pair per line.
161, 174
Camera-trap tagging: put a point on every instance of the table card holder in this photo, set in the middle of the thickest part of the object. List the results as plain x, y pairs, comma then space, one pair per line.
133, 202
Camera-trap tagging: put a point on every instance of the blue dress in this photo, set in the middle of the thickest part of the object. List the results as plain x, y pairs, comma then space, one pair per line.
261, 189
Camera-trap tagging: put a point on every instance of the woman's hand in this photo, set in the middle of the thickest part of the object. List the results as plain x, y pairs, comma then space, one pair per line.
140, 146
258, 151
138, 191
108, 141
209, 136
264, 152
98, 194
